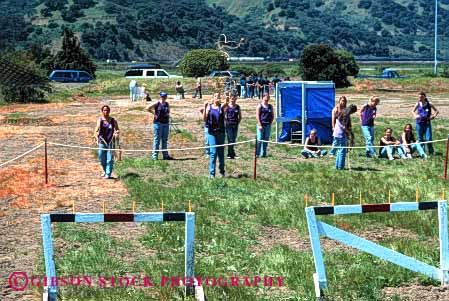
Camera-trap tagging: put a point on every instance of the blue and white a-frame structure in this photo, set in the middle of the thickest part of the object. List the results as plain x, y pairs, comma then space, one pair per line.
187, 217
317, 228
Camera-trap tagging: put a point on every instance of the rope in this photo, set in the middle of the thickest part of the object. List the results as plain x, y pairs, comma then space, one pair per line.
149, 150
22, 155
348, 147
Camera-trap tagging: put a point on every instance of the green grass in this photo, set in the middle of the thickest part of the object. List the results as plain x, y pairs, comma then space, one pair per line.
231, 215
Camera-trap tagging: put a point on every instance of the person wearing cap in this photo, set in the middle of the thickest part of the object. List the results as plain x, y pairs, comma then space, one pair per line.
161, 125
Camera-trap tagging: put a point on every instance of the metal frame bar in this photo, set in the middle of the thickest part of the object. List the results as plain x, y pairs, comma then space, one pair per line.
317, 228
189, 249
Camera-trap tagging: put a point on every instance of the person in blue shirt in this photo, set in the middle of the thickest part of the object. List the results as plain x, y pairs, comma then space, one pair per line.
422, 111
243, 89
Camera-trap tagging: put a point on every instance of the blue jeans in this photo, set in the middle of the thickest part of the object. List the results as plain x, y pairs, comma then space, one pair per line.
216, 139
133, 93
243, 91
160, 131
198, 93
389, 150
206, 142
424, 132
307, 154
415, 147
263, 134
341, 152
106, 158
368, 133
231, 133
333, 150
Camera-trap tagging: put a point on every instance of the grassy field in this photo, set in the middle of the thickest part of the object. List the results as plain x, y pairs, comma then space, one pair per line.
257, 228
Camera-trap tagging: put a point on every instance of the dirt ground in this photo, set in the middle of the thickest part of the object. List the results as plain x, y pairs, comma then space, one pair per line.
74, 174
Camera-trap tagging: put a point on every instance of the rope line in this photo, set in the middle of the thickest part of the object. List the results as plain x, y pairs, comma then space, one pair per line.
193, 148
349, 147
150, 150
22, 155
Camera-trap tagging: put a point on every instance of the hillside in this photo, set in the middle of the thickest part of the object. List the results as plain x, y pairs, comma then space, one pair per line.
165, 30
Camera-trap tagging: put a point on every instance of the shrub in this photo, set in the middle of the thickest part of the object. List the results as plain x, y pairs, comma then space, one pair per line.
321, 62
200, 62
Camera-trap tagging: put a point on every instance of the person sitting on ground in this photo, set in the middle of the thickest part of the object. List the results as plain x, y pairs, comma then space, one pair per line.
310, 146
390, 146
105, 131
409, 144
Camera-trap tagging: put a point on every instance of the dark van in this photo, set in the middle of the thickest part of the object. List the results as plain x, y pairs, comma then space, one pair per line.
70, 76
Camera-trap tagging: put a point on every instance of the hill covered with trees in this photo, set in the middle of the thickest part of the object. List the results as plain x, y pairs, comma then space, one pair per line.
165, 30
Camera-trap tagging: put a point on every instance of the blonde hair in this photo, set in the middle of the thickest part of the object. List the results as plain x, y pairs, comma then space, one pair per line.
313, 131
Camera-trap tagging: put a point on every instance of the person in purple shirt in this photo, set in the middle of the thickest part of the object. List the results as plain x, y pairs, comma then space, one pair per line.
264, 117
213, 116
422, 111
105, 131
233, 116
367, 115
161, 125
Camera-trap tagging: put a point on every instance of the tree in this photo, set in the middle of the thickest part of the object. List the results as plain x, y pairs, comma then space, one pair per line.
200, 62
72, 56
321, 62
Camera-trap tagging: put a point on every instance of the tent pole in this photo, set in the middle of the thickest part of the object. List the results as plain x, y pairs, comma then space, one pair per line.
303, 117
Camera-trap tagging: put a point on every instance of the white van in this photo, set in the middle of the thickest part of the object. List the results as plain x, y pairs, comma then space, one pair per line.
149, 73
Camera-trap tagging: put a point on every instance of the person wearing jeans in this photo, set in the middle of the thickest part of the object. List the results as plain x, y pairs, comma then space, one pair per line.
409, 144
310, 146
390, 146
264, 117
342, 101
367, 116
213, 116
342, 131
422, 111
105, 130
233, 116
133, 90
161, 125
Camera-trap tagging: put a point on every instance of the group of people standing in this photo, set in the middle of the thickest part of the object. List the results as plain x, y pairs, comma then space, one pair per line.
254, 86
222, 119
423, 112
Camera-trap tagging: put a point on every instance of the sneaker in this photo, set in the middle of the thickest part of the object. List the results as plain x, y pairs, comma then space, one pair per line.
229, 157
391, 158
236, 157
409, 156
102, 175
108, 177
169, 158
222, 175
423, 156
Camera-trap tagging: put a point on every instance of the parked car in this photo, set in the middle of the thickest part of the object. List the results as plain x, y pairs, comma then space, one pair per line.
70, 76
227, 73
149, 73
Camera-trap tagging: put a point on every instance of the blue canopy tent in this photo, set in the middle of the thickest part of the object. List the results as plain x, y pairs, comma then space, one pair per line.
306, 105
